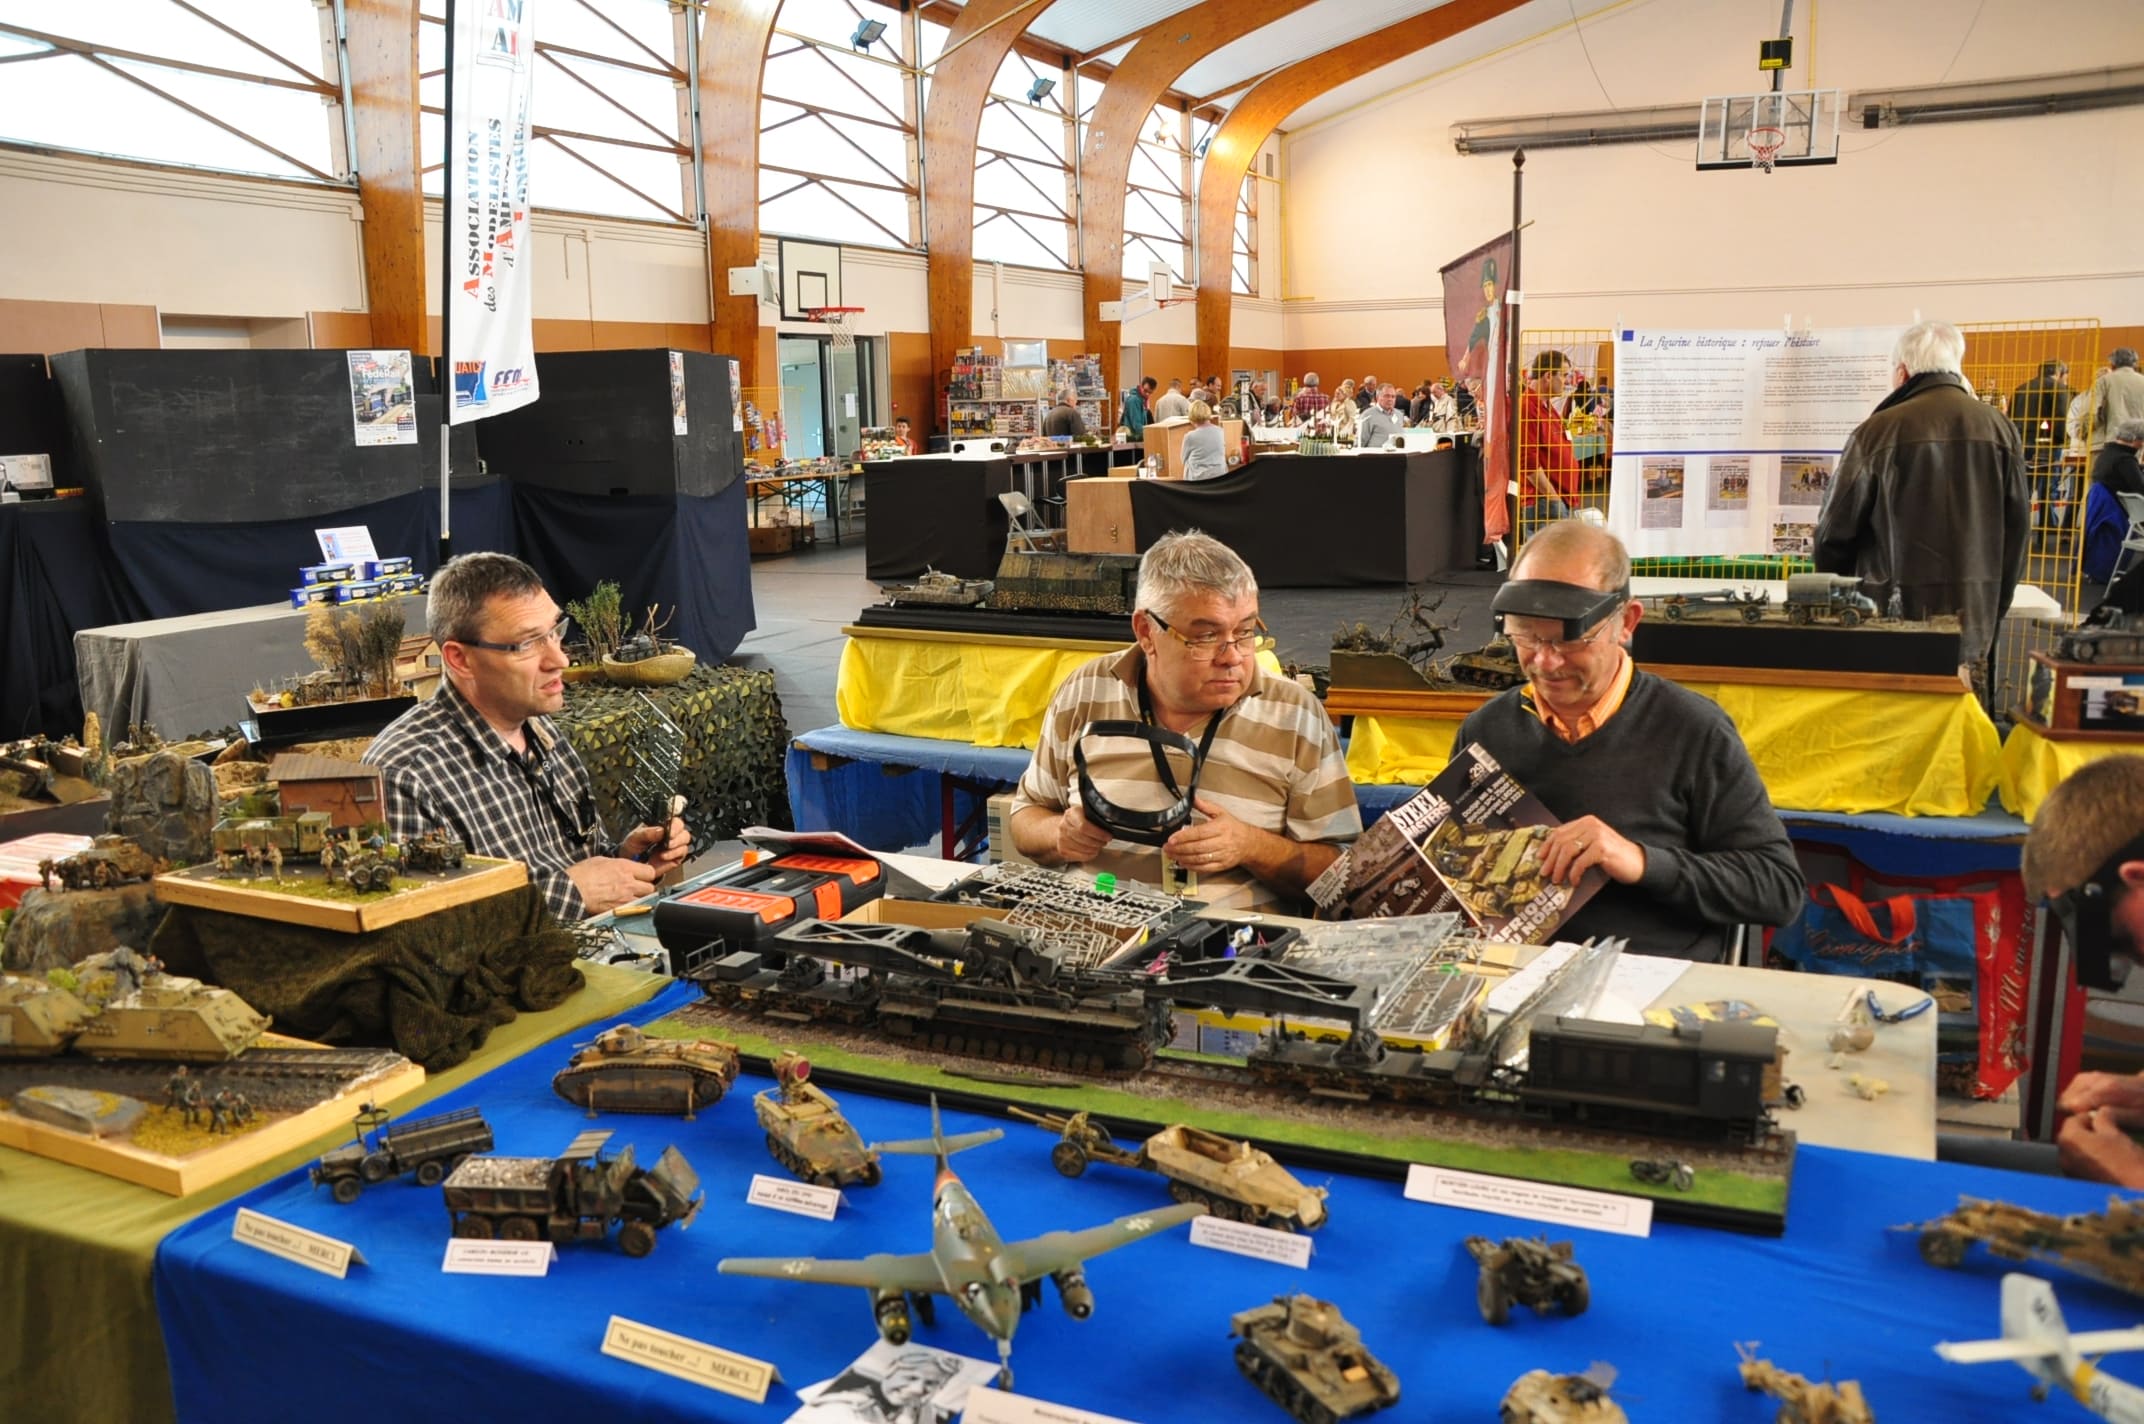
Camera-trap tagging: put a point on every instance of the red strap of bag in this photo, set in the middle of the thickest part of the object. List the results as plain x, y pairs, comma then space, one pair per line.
1857, 913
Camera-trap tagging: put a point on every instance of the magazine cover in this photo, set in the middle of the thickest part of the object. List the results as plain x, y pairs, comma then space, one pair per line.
1469, 841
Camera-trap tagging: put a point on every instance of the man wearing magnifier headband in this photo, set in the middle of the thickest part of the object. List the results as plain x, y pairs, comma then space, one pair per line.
1651, 781
2085, 858
1184, 748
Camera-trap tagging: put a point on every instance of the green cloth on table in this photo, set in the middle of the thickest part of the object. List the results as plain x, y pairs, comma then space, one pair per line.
76, 1248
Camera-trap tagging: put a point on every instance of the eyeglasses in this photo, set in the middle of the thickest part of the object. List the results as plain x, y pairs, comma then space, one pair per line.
1527, 645
1207, 646
555, 635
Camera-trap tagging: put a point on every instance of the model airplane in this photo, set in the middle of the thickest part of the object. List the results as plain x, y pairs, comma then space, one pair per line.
2037, 1340
991, 1281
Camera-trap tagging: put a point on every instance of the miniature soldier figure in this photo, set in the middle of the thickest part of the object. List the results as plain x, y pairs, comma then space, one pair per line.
44, 874
275, 863
176, 1085
241, 1108
219, 1108
128, 970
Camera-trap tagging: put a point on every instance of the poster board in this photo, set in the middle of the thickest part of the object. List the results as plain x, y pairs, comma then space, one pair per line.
1725, 440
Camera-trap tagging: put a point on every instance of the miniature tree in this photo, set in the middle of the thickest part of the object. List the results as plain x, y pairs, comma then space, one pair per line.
601, 619
358, 646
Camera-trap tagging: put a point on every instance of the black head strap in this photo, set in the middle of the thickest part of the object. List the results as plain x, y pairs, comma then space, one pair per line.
1144, 827
1571, 604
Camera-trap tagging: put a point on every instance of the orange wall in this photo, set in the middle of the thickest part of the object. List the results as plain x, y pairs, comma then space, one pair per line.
46, 327
1403, 366
910, 381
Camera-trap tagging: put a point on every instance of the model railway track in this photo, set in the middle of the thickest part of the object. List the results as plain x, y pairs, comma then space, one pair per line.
269, 1077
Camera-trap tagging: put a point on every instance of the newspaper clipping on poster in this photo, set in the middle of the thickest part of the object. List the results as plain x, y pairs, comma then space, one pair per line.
383, 403
490, 282
1469, 842
678, 423
1725, 440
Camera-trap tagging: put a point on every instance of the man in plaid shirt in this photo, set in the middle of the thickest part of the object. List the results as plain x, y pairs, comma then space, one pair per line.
1310, 400
483, 759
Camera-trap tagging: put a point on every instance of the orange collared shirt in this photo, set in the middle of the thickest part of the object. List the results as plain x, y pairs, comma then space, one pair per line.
1595, 717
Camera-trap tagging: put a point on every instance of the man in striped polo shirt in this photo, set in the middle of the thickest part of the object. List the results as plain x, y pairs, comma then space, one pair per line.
1274, 805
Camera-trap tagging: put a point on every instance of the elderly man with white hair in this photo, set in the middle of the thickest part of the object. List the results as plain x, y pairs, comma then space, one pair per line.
1930, 499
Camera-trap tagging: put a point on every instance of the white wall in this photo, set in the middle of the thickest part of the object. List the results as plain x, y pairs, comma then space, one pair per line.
2001, 220
603, 269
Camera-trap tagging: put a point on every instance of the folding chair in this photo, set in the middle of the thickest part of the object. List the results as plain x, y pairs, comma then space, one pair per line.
1025, 533
2133, 537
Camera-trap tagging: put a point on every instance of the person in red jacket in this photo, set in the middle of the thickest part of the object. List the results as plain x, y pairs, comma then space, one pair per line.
1548, 467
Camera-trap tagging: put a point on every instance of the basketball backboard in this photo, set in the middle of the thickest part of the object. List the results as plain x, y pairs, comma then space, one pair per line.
811, 277
1795, 128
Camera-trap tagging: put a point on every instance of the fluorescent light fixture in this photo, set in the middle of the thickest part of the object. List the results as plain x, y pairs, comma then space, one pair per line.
1040, 90
867, 33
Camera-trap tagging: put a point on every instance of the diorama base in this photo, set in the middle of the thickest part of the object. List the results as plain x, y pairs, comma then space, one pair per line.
205, 888
1738, 1188
292, 1106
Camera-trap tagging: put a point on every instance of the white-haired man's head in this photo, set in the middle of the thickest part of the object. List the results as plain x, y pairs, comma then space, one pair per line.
1928, 346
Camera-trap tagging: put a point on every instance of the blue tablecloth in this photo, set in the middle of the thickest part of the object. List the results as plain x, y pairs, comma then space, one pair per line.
254, 1337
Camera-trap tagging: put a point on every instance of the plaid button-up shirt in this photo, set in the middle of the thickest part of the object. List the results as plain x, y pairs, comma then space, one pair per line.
442, 764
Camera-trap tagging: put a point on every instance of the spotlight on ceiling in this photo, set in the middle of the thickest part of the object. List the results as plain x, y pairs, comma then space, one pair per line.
1040, 90
867, 33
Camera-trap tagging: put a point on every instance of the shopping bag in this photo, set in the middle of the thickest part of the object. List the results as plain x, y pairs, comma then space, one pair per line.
1838, 932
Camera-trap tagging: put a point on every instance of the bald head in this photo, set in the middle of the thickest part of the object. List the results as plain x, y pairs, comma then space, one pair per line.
1573, 551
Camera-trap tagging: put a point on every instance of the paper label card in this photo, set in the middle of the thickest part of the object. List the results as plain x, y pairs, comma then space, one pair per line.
1531, 1201
470, 1257
350, 545
1260, 1243
996, 1406
692, 1360
787, 1194
294, 1243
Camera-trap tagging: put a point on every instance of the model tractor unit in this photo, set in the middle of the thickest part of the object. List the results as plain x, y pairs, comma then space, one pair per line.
1748, 604
580, 1195
297, 837
427, 1148
1232, 1179
434, 852
1812, 597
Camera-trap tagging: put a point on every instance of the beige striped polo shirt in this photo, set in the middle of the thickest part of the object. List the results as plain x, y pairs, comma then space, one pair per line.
1275, 764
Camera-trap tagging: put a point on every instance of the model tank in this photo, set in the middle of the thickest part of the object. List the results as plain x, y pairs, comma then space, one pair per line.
37, 1019
1530, 1272
1538, 1397
173, 1018
937, 590
1494, 665
2108, 1246
1303, 1355
624, 1070
1067, 583
806, 1132
1235, 1180
110, 860
1800, 1399
434, 851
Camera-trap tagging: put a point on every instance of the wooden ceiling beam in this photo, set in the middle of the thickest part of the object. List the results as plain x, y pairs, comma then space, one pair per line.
733, 54
1236, 143
390, 167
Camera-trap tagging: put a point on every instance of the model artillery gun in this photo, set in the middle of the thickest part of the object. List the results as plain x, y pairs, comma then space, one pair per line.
2107, 1246
578, 1196
1801, 1400
806, 1131
1811, 597
624, 1070
1301, 1353
1234, 1180
428, 1148
1528, 1271
110, 860
1748, 604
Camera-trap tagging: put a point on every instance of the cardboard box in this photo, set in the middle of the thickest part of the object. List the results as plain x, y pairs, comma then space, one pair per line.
772, 538
1002, 850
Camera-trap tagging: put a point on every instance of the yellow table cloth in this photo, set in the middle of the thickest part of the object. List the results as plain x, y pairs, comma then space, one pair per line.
2034, 765
1817, 748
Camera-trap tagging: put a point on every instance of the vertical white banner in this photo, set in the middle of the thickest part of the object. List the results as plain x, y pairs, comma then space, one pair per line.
490, 284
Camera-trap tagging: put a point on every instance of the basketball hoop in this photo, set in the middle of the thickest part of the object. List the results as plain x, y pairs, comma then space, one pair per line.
837, 321
1764, 146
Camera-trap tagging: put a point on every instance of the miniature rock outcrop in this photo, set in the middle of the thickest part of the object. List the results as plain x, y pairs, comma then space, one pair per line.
166, 804
57, 930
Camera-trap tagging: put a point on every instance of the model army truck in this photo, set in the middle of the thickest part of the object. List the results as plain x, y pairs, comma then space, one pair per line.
1234, 1180
430, 1147
578, 1196
1303, 1355
1528, 1271
1814, 596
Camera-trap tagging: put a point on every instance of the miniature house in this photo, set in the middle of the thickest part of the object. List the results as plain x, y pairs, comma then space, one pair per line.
348, 791
417, 665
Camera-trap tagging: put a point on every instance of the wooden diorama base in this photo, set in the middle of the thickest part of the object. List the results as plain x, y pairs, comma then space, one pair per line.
293, 1107
202, 887
1737, 1187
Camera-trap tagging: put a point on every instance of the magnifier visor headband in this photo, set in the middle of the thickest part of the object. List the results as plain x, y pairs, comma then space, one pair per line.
1575, 606
1140, 827
2087, 916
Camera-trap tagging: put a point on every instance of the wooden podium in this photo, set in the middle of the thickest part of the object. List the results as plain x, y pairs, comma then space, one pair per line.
1166, 439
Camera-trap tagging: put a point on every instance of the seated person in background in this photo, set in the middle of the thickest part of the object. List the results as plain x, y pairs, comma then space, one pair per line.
2116, 465
483, 759
2085, 853
1206, 453
1652, 782
1548, 467
1063, 422
1274, 805
1380, 422
904, 432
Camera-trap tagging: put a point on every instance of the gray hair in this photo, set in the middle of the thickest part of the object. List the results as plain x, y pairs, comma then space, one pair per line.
2123, 356
1187, 563
1310, 378
454, 610
2129, 432
1576, 537
1930, 346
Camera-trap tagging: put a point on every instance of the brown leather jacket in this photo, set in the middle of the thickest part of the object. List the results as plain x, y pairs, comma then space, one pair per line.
1930, 498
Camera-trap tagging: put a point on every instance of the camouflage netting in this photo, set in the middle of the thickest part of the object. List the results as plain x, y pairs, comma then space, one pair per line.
432, 988
735, 744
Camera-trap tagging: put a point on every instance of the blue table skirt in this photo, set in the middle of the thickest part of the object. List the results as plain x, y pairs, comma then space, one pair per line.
254, 1337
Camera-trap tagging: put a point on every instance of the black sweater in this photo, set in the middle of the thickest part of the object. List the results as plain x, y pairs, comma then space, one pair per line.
1669, 772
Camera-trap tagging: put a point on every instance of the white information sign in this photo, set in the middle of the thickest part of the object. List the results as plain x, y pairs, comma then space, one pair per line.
688, 1359
467, 1256
802, 1198
997, 1406
491, 283
294, 1243
1260, 1243
1531, 1201
1725, 440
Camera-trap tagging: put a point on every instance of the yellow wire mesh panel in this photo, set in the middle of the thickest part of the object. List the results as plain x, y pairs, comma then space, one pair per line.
2031, 371
1566, 426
